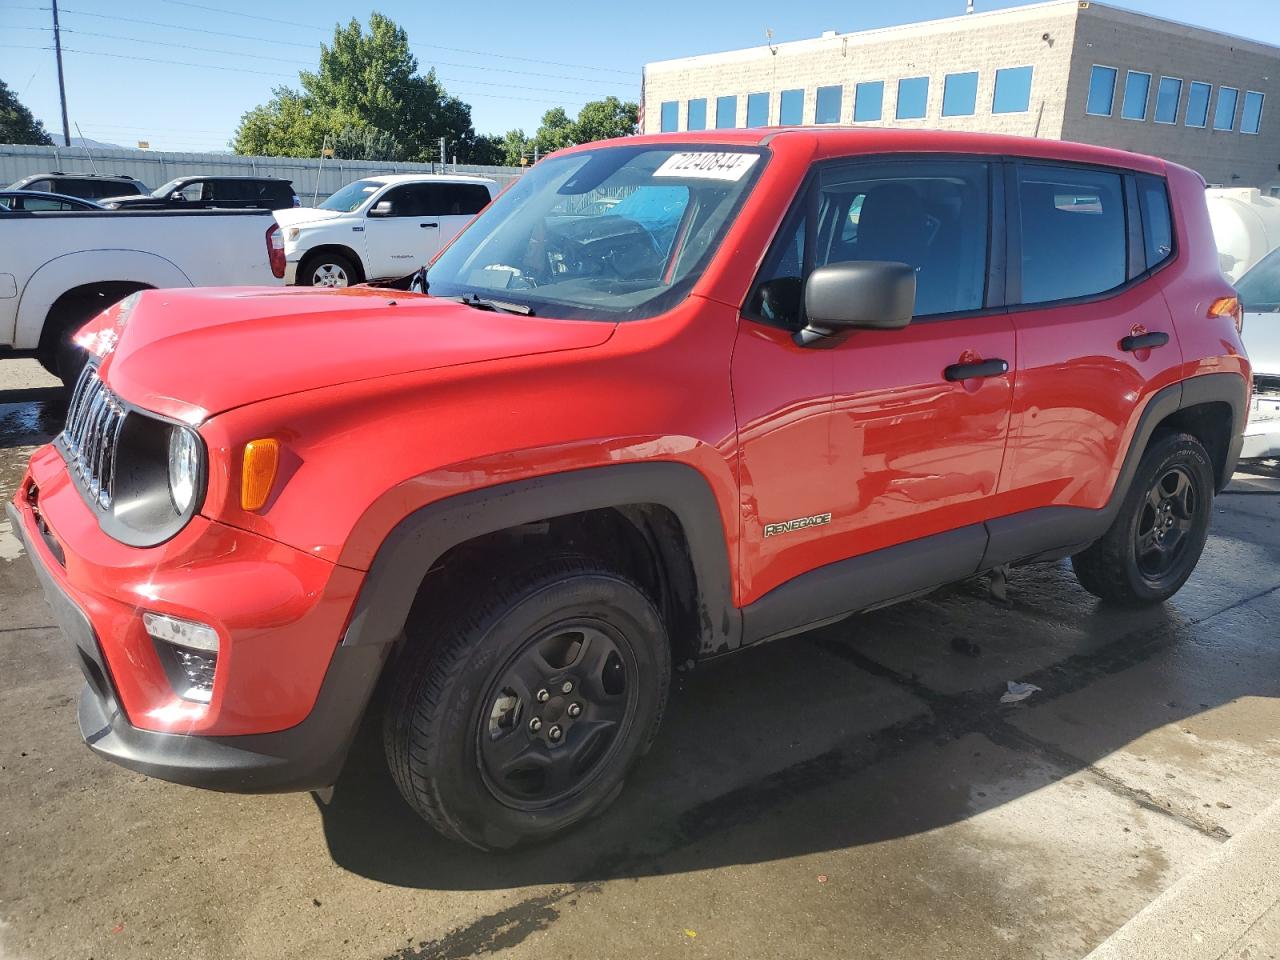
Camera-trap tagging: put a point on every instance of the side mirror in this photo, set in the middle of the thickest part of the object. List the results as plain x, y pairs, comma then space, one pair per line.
381, 209
872, 294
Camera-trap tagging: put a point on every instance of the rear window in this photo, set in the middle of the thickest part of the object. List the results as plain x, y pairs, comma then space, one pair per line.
1073, 232
93, 189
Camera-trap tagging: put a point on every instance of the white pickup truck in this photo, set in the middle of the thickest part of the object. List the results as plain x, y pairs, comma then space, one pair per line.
379, 227
59, 269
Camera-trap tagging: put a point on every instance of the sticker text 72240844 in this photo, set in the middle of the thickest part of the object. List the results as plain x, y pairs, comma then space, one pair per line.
707, 166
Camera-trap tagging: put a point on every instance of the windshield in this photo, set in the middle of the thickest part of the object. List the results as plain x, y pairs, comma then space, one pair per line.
1259, 288
616, 233
352, 195
163, 192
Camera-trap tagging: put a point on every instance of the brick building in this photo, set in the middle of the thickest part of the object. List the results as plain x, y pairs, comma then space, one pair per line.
1065, 69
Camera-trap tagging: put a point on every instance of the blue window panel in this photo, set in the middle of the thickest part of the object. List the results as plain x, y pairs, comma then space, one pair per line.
726, 113
1224, 115
1137, 89
1251, 117
827, 108
757, 110
791, 108
1167, 96
913, 98
1102, 92
960, 94
670, 115
1013, 90
868, 100
697, 114
1198, 104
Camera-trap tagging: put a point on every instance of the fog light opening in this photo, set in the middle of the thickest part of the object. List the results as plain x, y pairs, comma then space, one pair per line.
189, 653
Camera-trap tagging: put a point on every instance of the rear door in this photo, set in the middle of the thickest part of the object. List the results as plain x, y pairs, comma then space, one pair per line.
1094, 334
454, 204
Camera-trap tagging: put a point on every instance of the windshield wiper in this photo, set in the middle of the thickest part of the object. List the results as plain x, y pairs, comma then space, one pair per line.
485, 303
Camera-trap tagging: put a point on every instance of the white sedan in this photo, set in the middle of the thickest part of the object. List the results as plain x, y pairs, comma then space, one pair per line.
378, 227
1259, 290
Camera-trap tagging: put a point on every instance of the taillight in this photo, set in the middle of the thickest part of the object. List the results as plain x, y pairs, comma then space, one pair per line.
275, 250
1229, 307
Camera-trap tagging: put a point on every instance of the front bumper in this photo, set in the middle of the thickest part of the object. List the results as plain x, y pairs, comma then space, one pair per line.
242, 740
1262, 435
291, 272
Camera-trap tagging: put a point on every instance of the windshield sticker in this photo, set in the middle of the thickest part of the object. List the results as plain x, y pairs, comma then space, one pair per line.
707, 166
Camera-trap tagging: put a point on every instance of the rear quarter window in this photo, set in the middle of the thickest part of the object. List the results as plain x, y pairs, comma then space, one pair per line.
1157, 219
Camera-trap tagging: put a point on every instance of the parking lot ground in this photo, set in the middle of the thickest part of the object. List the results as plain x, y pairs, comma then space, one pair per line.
858, 791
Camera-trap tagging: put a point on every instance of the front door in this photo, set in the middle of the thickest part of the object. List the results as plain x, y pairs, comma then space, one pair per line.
407, 237
889, 435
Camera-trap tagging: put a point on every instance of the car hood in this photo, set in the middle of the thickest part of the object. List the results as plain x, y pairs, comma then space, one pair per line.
191, 353
1262, 342
300, 216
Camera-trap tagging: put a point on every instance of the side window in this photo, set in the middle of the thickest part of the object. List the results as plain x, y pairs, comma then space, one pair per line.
932, 215
405, 200
1157, 220
453, 199
1073, 232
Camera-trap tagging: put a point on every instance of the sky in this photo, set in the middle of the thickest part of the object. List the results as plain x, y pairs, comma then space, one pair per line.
180, 73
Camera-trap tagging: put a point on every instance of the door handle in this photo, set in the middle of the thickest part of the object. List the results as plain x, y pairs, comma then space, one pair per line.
428, 224
971, 371
1144, 341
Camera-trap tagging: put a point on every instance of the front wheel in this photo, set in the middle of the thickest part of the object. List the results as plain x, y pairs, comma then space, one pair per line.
522, 712
328, 270
1156, 540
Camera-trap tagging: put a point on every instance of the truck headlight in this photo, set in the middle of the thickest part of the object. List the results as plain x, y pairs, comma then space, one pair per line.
184, 467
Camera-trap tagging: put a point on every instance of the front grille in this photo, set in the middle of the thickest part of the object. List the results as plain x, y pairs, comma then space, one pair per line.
95, 418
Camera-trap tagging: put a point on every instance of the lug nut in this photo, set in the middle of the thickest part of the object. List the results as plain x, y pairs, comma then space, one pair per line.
575, 709
567, 686
535, 724
554, 734
543, 696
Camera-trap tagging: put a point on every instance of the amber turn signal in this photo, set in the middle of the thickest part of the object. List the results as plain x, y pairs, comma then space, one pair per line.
1229, 307
258, 475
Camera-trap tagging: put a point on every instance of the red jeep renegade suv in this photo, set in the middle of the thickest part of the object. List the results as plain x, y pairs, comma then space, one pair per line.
666, 397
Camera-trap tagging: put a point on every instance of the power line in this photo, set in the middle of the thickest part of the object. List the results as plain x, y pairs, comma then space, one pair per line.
248, 16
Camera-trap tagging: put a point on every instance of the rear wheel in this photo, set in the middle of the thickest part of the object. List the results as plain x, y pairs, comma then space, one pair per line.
328, 270
524, 711
1157, 538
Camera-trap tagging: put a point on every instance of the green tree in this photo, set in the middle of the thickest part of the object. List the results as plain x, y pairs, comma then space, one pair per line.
604, 119
555, 132
514, 146
17, 124
367, 95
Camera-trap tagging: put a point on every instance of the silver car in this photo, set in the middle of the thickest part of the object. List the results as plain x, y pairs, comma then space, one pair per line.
1259, 290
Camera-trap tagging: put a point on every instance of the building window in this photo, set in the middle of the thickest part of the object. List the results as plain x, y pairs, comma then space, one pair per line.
670, 115
1251, 117
827, 108
1013, 90
757, 110
868, 100
913, 98
1198, 104
1137, 88
1102, 92
1167, 96
791, 108
959, 94
1224, 115
726, 112
697, 119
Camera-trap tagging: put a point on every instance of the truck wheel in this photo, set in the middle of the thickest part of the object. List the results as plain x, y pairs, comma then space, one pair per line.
523, 711
328, 270
1158, 536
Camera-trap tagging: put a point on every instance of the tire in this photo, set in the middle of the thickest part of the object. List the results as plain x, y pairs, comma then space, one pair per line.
481, 735
1172, 493
328, 270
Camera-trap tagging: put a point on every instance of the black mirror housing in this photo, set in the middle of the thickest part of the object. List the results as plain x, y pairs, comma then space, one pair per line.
869, 294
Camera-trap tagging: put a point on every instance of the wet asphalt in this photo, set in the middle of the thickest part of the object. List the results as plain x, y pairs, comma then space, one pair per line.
858, 791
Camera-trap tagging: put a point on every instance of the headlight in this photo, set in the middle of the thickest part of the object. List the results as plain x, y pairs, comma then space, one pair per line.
184, 467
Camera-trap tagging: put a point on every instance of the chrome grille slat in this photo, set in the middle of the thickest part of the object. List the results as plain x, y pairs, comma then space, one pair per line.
89, 441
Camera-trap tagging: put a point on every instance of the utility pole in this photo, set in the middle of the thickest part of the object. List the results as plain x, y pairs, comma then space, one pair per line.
62, 90
444, 165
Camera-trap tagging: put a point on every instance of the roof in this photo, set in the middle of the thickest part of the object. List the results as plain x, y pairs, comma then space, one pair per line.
417, 177
837, 140
231, 176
